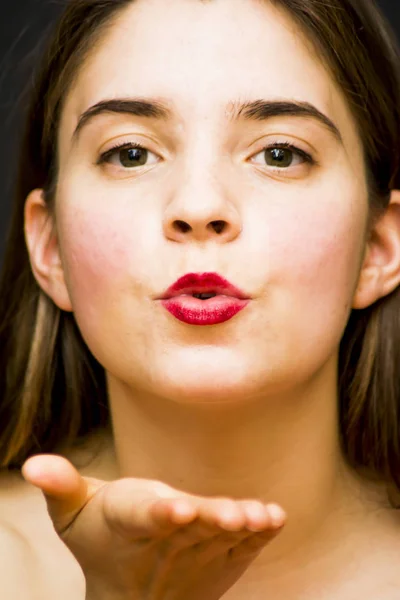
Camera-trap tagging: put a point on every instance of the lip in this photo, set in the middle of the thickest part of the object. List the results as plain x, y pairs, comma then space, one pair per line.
202, 283
227, 302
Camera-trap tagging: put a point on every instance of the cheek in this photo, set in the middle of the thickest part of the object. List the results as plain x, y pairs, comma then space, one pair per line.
317, 246
318, 257
99, 250
335, 247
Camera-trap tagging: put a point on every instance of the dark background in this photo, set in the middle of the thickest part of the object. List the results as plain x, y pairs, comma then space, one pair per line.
23, 25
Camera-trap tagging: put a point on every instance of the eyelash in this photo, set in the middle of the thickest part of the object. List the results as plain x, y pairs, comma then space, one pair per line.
288, 146
279, 145
123, 146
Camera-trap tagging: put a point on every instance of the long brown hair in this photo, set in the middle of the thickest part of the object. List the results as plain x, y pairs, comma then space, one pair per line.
53, 391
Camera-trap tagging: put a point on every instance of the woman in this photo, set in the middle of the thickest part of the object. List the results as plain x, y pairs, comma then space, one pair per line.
201, 294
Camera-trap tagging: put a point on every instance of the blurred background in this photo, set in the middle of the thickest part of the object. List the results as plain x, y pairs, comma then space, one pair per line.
23, 26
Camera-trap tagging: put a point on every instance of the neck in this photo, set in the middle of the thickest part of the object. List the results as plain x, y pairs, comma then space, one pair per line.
255, 449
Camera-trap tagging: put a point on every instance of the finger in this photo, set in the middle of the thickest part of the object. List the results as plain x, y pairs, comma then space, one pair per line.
239, 544
218, 513
252, 543
140, 510
262, 516
66, 491
225, 513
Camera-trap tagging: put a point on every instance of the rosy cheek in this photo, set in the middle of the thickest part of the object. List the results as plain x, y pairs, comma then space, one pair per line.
319, 251
96, 257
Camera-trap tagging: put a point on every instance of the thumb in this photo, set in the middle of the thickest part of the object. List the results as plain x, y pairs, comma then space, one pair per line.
66, 492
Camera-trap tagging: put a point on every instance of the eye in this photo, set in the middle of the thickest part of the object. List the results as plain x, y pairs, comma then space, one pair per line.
128, 155
283, 155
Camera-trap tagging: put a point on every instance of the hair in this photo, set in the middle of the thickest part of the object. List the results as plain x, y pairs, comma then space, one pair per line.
53, 391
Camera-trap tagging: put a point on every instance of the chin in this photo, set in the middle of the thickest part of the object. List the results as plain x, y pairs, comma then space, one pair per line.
201, 393
206, 396
208, 381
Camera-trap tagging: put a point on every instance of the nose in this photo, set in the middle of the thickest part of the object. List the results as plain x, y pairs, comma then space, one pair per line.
201, 207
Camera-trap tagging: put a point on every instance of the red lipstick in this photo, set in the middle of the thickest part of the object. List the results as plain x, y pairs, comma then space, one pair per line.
204, 299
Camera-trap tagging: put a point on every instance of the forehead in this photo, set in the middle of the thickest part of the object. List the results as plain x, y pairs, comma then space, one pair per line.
201, 56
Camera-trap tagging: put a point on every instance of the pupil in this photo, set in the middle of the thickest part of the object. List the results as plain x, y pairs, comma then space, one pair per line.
280, 155
131, 157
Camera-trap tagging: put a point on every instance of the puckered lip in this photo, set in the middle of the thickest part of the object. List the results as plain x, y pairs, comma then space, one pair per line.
202, 283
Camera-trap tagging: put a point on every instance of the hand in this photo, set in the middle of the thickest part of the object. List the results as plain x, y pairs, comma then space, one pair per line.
140, 539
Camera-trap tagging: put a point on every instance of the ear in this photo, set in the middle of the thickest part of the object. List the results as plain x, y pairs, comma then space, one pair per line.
380, 272
44, 254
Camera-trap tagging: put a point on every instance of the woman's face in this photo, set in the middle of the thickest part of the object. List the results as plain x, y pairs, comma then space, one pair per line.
130, 223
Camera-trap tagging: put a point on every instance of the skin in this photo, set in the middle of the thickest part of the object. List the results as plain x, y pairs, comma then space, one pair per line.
239, 410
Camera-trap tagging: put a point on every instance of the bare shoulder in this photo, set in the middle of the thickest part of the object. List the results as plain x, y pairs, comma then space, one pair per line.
23, 509
382, 547
16, 565
21, 575
34, 563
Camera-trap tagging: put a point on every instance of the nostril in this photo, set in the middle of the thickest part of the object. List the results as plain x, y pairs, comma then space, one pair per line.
218, 226
182, 226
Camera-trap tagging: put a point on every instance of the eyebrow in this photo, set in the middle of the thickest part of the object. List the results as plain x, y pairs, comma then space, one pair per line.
255, 110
